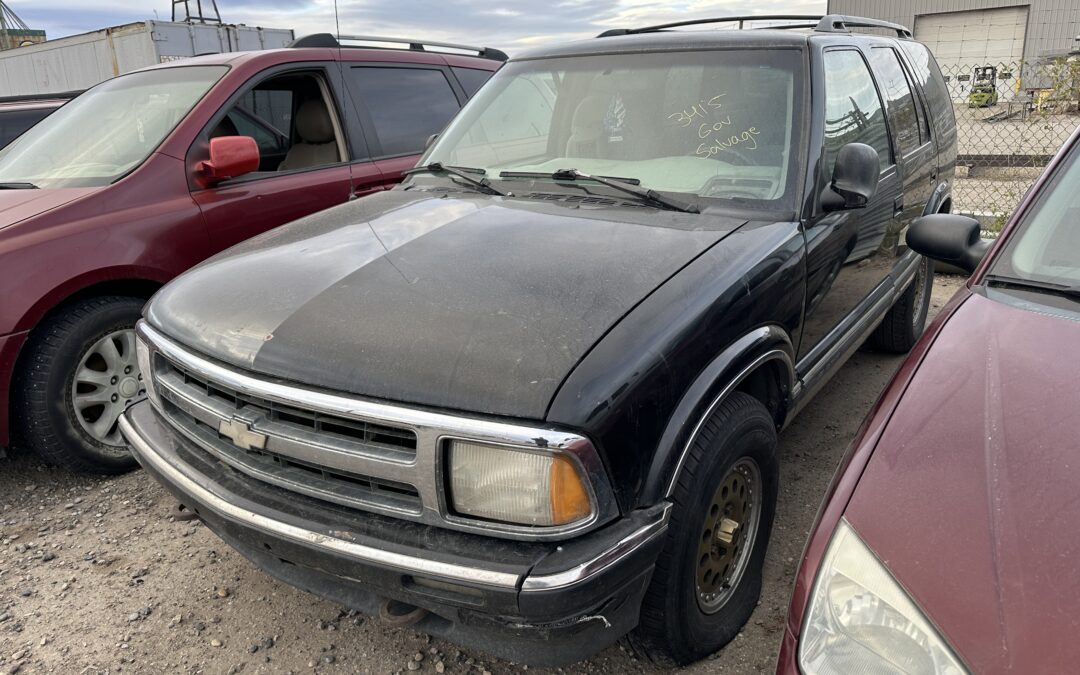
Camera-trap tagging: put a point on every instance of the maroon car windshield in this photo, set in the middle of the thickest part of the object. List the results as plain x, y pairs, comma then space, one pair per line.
106, 132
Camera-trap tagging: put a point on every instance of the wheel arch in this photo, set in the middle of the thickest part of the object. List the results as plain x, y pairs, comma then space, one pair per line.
760, 363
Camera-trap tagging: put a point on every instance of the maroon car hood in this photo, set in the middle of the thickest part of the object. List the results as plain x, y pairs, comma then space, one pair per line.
18, 205
972, 497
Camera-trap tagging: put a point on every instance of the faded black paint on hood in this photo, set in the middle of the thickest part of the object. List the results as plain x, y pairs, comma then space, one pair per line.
468, 303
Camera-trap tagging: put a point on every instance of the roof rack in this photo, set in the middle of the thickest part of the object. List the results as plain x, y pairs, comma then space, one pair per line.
326, 40
829, 23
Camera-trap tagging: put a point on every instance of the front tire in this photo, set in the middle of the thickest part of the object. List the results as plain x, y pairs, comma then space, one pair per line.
78, 374
904, 323
708, 577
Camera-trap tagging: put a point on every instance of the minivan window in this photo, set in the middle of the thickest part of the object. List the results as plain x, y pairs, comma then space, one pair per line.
899, 101
107, 131
716, 124
13, 123
406, 105
471, 79
853, 112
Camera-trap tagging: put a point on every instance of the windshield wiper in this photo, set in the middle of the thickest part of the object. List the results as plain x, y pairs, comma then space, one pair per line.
1034, 285
627, 185
461, 172
18, 186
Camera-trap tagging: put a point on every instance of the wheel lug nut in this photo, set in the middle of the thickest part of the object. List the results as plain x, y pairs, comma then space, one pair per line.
114, 398
112, 380
127, 369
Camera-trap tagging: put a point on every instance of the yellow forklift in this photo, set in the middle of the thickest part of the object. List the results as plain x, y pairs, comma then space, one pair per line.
984, 91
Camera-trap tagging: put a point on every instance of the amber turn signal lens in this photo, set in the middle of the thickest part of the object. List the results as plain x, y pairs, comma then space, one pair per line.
569, 499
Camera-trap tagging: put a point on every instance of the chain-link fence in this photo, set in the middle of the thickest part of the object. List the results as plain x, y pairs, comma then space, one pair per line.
1011, 118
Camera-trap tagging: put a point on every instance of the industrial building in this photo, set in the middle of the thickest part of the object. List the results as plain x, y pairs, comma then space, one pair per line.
964, 34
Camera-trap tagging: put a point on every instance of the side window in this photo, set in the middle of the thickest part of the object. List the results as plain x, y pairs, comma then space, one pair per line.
407, 105
471, 79
899, 101
291, 121
853, 111
14, 123
928, 75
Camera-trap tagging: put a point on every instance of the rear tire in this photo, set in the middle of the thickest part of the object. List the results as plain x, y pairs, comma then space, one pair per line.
708, 578
903, 325
78, 373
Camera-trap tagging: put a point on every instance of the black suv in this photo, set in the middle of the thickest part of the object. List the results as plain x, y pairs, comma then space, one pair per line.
529, 400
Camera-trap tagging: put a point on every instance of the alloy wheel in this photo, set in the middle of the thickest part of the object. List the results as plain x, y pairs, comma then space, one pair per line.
107, 380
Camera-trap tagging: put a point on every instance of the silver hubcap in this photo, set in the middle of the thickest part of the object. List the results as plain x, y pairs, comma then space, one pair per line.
106, 381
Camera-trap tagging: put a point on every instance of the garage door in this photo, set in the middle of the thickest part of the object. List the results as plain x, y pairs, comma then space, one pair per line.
963, 40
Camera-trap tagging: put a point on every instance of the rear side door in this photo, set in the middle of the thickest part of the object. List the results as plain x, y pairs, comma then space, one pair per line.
847, 265
910, 131
279, 192
400, 106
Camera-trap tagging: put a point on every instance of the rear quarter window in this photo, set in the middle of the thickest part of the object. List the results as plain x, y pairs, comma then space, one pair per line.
471, 79
928, 78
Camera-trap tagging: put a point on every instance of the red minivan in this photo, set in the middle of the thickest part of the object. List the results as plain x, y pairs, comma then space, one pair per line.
147, 174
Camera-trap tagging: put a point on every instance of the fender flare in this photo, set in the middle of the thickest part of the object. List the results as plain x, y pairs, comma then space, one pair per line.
761, 347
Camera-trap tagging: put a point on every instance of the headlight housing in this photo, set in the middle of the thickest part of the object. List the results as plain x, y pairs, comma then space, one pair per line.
860, 620
517, 486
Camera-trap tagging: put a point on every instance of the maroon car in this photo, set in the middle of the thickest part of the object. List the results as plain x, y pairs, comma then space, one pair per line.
950, 539
143, 176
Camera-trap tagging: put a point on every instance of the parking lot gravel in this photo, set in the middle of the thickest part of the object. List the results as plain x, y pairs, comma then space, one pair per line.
97, 577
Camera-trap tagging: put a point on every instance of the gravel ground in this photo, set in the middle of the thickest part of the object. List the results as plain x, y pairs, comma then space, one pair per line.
95, 576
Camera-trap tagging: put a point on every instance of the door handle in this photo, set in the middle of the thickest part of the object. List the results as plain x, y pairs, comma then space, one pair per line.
365, 190
898, 205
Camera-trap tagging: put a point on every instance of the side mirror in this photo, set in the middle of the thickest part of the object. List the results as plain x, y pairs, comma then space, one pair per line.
950, 239
854, 180
230, 157
430, 141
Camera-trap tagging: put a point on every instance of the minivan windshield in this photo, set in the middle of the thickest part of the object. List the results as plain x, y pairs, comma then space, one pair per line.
106, 132
722, 124
1046, 246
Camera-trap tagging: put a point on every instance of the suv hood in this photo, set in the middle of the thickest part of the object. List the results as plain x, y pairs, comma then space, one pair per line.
972, 497
474, 303
18, 205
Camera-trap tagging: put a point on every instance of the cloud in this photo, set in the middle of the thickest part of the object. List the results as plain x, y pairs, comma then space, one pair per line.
509, 25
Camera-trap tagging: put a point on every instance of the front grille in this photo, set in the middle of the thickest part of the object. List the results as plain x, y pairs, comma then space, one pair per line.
303, 450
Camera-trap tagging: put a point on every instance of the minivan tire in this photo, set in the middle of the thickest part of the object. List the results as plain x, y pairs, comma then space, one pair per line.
904, 323
674, 627
45, 416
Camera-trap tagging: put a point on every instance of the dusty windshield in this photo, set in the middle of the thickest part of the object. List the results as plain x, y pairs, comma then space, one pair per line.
1046, 248
106, 132
719, 124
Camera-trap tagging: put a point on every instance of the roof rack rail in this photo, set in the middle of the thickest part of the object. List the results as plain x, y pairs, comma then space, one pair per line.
829, 23
326, 40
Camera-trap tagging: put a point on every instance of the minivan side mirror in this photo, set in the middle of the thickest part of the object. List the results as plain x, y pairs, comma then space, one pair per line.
949, 238
230, 157
854, 180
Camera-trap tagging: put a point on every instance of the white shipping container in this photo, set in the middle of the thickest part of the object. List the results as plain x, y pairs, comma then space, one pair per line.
81, 61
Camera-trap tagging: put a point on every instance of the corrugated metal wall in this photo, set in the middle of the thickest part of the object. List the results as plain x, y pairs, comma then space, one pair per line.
1052, 24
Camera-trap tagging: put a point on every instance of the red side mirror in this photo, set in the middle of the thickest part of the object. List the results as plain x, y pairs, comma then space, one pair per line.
230, 157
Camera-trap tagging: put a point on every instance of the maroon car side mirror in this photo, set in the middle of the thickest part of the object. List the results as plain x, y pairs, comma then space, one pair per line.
230, 157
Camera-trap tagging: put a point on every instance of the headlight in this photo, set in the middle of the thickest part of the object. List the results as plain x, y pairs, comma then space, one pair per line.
516, 486
143, 354
861, 621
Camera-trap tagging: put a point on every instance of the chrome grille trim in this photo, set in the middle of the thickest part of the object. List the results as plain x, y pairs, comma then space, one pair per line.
423, 471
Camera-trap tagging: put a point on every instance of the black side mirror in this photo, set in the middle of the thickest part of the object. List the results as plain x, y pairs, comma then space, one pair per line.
854, 180
950, 239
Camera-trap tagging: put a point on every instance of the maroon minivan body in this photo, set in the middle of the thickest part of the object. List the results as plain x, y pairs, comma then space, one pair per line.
66, 244
964, 481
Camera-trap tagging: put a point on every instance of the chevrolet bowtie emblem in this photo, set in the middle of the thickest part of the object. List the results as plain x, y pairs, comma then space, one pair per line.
239, 432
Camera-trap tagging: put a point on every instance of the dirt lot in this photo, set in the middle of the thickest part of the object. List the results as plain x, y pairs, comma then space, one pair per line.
95, 577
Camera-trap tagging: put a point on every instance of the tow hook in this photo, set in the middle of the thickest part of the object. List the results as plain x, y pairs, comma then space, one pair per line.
399, 614
182, 513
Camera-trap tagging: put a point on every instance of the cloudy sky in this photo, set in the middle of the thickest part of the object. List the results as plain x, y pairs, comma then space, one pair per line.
509, 24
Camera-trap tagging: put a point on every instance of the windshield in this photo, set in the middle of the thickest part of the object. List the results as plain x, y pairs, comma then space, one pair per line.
106, 132
1046, 246
718, 124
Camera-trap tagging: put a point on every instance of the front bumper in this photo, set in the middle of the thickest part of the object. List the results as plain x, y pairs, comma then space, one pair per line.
541, 603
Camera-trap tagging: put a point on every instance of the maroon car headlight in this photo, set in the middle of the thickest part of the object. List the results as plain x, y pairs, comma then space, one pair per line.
860, 620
